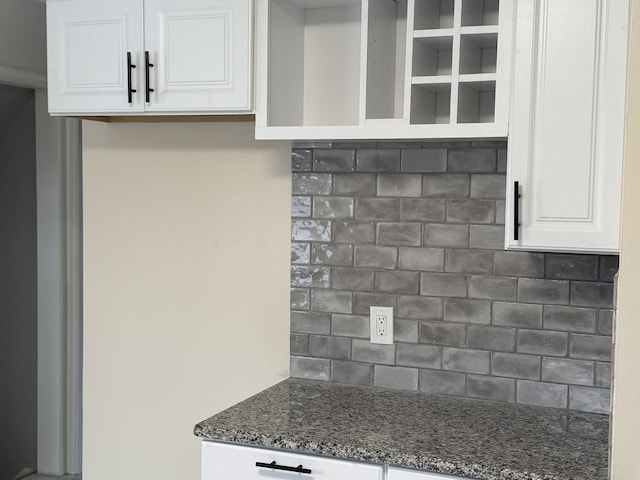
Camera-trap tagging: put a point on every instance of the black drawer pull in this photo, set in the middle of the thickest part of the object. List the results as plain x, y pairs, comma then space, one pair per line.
516, 210
273, 465
130, 89
148, 89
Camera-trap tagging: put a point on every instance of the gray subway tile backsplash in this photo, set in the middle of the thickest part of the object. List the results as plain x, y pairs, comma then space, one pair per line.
420, 227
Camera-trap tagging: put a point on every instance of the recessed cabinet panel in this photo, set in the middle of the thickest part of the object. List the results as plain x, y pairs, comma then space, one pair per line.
566, 139
201, 54
87, 55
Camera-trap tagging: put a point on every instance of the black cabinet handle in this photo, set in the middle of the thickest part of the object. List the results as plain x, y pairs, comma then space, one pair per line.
274, 466
148, 88
516, 210
130, 66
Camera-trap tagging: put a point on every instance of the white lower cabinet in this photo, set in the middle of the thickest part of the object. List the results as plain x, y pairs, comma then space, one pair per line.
221, 461
395, 473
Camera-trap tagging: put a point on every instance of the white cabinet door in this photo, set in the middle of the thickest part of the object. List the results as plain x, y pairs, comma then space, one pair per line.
88, 45
201, 52
404, 474
224, 461
198, 51
566, 129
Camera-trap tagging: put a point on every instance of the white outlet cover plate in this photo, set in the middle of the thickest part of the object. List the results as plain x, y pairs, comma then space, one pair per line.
387, 313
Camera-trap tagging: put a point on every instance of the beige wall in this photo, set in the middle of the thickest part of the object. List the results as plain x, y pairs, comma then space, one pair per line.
186, 301
626, 393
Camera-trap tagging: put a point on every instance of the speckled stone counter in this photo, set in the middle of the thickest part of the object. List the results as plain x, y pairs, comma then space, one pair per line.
475, 439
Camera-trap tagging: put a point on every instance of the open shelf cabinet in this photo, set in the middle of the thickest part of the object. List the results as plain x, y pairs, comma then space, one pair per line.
383, 69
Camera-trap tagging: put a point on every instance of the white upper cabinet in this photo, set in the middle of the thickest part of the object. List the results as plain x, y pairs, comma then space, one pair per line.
114, 57
378, 69
567, 124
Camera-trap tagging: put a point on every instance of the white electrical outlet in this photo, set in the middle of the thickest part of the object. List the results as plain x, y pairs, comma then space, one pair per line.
381, 319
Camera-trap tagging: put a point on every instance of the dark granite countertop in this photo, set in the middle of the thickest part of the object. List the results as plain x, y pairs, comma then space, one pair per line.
468, 438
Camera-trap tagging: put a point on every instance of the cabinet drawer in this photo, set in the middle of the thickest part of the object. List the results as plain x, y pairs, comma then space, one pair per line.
404, 474
224, 461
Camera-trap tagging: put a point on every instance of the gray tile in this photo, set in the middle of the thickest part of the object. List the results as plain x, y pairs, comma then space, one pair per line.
470, 211
354, 184
570, 319
422, 209
542, 394
420, 308
491, 388
362, 301
311, 322
300, 206
355, 279
463, 360
443, 284
565, 266
609, 265
405, 330
300, 253
424, 160
311, 230
377, 209
330, 347
421, 259
378, 160
592, 294
363, 351
464, 310
399, 185
492, 287
305, 276
542, 343
353, 232
299, 344
352, 373
397, 282
354, 144
331, 301
592, 400
310, 368
519, 264
502, 160
350, 325
446, 185
421, 356
375, 256
300, 299
436, 235
486, 236
517, 315
573, 372
402, 234
334, 160
590, 347
408, 144
603, 375
535, 290
514, 365
605, 322
468, 261
402, 378
496, 339
472, 160
488, 186
311, 183
300, 160
445, 334
333, 207
500, 212
442, 383
332, 254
